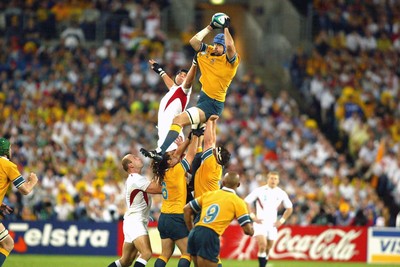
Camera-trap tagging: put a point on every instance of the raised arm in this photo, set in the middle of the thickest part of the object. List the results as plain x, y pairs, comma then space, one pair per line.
192, 148
210, 135
197, 39
159, 70
230, 44
190, 76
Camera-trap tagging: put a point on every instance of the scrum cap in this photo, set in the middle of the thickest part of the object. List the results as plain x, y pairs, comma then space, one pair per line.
220, 39
4, 147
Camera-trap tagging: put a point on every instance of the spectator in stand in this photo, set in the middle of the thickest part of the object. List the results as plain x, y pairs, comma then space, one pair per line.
344, 216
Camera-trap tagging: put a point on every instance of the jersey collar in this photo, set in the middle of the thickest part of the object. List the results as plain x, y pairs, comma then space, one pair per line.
228, 189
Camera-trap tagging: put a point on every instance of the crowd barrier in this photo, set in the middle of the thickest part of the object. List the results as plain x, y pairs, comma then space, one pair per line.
310, 243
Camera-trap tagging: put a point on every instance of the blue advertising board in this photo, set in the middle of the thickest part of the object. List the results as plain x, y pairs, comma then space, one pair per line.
63, 238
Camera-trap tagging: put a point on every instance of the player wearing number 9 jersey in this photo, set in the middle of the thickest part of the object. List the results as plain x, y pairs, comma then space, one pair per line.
218, 209
171, 173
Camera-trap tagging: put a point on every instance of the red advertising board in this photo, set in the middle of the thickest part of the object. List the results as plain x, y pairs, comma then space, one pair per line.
301, 243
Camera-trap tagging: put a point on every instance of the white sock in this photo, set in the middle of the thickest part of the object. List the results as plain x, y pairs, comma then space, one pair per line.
262, 255
142, 261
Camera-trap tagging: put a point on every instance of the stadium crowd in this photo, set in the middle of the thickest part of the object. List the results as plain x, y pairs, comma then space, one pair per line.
74, 110
351, 79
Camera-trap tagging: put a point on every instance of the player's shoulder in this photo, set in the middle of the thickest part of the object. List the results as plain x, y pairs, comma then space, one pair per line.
136, 178
281, 191
6, 162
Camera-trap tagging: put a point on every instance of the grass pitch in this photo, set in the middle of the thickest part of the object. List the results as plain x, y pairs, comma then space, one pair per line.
15, 260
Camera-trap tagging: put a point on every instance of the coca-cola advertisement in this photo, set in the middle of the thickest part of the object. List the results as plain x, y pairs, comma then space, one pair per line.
301, 243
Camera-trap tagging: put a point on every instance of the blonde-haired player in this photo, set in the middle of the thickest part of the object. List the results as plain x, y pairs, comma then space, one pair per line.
267, 199
218, 64
136, 217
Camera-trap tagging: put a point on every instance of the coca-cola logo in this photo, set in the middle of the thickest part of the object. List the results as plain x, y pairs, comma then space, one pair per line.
331, 244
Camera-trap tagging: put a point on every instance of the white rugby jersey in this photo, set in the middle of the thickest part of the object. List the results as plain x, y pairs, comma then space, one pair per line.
172, 104
267, 202
137, 200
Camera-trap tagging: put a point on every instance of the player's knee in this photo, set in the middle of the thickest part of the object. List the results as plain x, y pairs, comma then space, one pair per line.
194, 115
9, 246
262, 249
146, 255
267, 249
6, 242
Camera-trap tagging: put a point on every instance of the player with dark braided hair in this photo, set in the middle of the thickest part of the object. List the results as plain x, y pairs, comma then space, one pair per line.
171, 172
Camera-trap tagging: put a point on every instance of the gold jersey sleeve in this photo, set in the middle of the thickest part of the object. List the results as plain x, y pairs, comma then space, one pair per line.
216, 73
208, 174
8, 173
174, 189
219, 208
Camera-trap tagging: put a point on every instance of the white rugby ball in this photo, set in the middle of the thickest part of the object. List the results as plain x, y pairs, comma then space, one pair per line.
218, 19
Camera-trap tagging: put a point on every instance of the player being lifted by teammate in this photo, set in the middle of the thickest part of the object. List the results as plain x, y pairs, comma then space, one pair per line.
174, 101
218, 64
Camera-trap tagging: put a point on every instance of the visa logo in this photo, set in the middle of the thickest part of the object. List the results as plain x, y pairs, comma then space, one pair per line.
390, 245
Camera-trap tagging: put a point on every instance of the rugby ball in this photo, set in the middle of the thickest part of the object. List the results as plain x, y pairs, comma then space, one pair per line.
218, 19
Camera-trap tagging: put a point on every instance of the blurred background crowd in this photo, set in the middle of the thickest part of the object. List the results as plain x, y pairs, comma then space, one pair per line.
76, 97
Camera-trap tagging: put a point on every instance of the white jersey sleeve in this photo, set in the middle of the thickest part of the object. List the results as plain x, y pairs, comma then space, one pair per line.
252, 197
287, 203
137, 200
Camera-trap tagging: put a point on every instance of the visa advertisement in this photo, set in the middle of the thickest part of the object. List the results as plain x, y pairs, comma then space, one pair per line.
384, 245
72, 238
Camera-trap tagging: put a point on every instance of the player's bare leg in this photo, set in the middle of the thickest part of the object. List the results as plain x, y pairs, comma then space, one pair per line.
185, 259
129, 253
202, 262
6, 244
168, 246
194, 259
262, 248
270, 243
142, 243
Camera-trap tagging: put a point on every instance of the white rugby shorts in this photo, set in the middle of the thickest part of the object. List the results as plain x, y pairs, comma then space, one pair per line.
270, 232
134, 227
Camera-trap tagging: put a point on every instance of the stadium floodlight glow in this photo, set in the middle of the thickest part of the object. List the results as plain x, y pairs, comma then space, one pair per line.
217, 2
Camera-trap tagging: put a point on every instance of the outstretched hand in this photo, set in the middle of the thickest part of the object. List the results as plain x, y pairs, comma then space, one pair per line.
227, 22
5, 209
156, 67
199, 130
